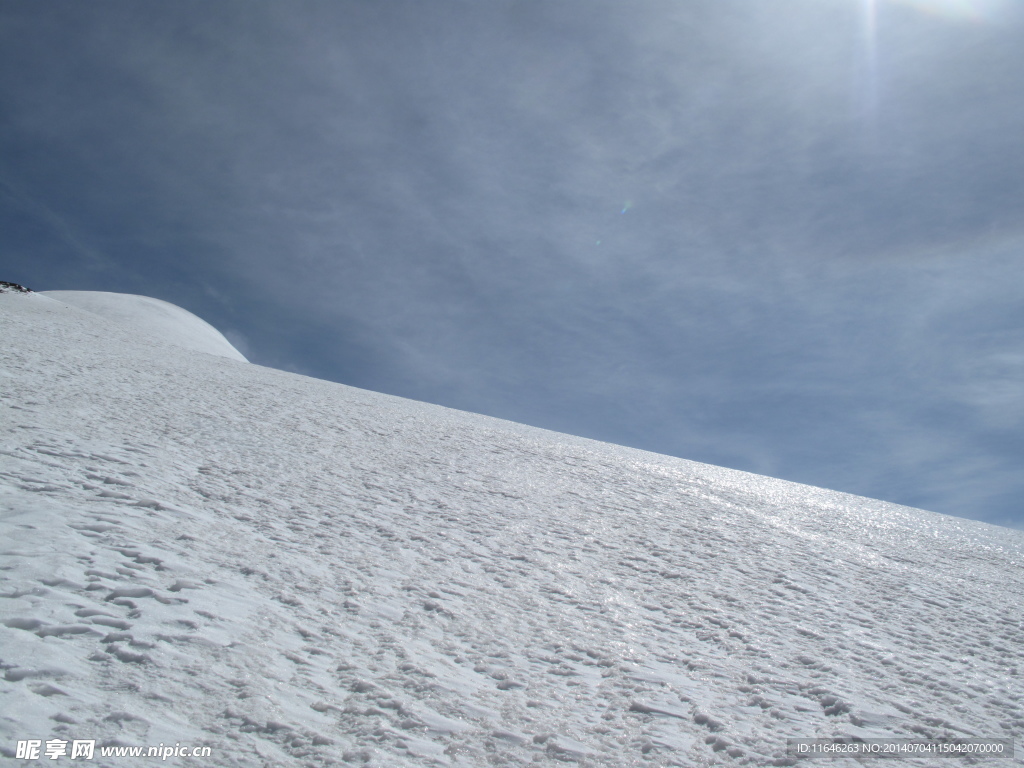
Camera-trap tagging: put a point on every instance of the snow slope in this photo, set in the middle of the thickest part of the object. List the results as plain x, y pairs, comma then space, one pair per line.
153, 317
295, 572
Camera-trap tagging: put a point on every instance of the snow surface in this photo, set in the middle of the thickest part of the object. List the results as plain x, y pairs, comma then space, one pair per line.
153, 317
295, 572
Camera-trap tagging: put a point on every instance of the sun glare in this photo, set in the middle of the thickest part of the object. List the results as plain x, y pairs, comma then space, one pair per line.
972, 10
976, 11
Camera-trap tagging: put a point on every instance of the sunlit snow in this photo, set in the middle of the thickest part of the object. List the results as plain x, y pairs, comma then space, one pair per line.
157, 319
294, 572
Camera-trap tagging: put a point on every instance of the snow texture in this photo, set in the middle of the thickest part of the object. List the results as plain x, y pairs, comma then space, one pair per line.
153, 317
295, 573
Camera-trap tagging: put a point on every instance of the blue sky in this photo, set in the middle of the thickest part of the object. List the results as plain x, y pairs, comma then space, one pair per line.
782, 237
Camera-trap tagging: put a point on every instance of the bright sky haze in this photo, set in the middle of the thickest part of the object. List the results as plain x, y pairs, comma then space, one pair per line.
779, 237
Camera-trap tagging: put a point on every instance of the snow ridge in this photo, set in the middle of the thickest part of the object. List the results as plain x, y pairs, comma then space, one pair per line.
155, 318
295, 572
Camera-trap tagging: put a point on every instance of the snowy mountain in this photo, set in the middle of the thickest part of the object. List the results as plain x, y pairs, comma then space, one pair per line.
199, 551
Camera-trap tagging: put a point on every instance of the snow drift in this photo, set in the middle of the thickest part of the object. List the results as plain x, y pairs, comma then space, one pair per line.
295, 572
152, 317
